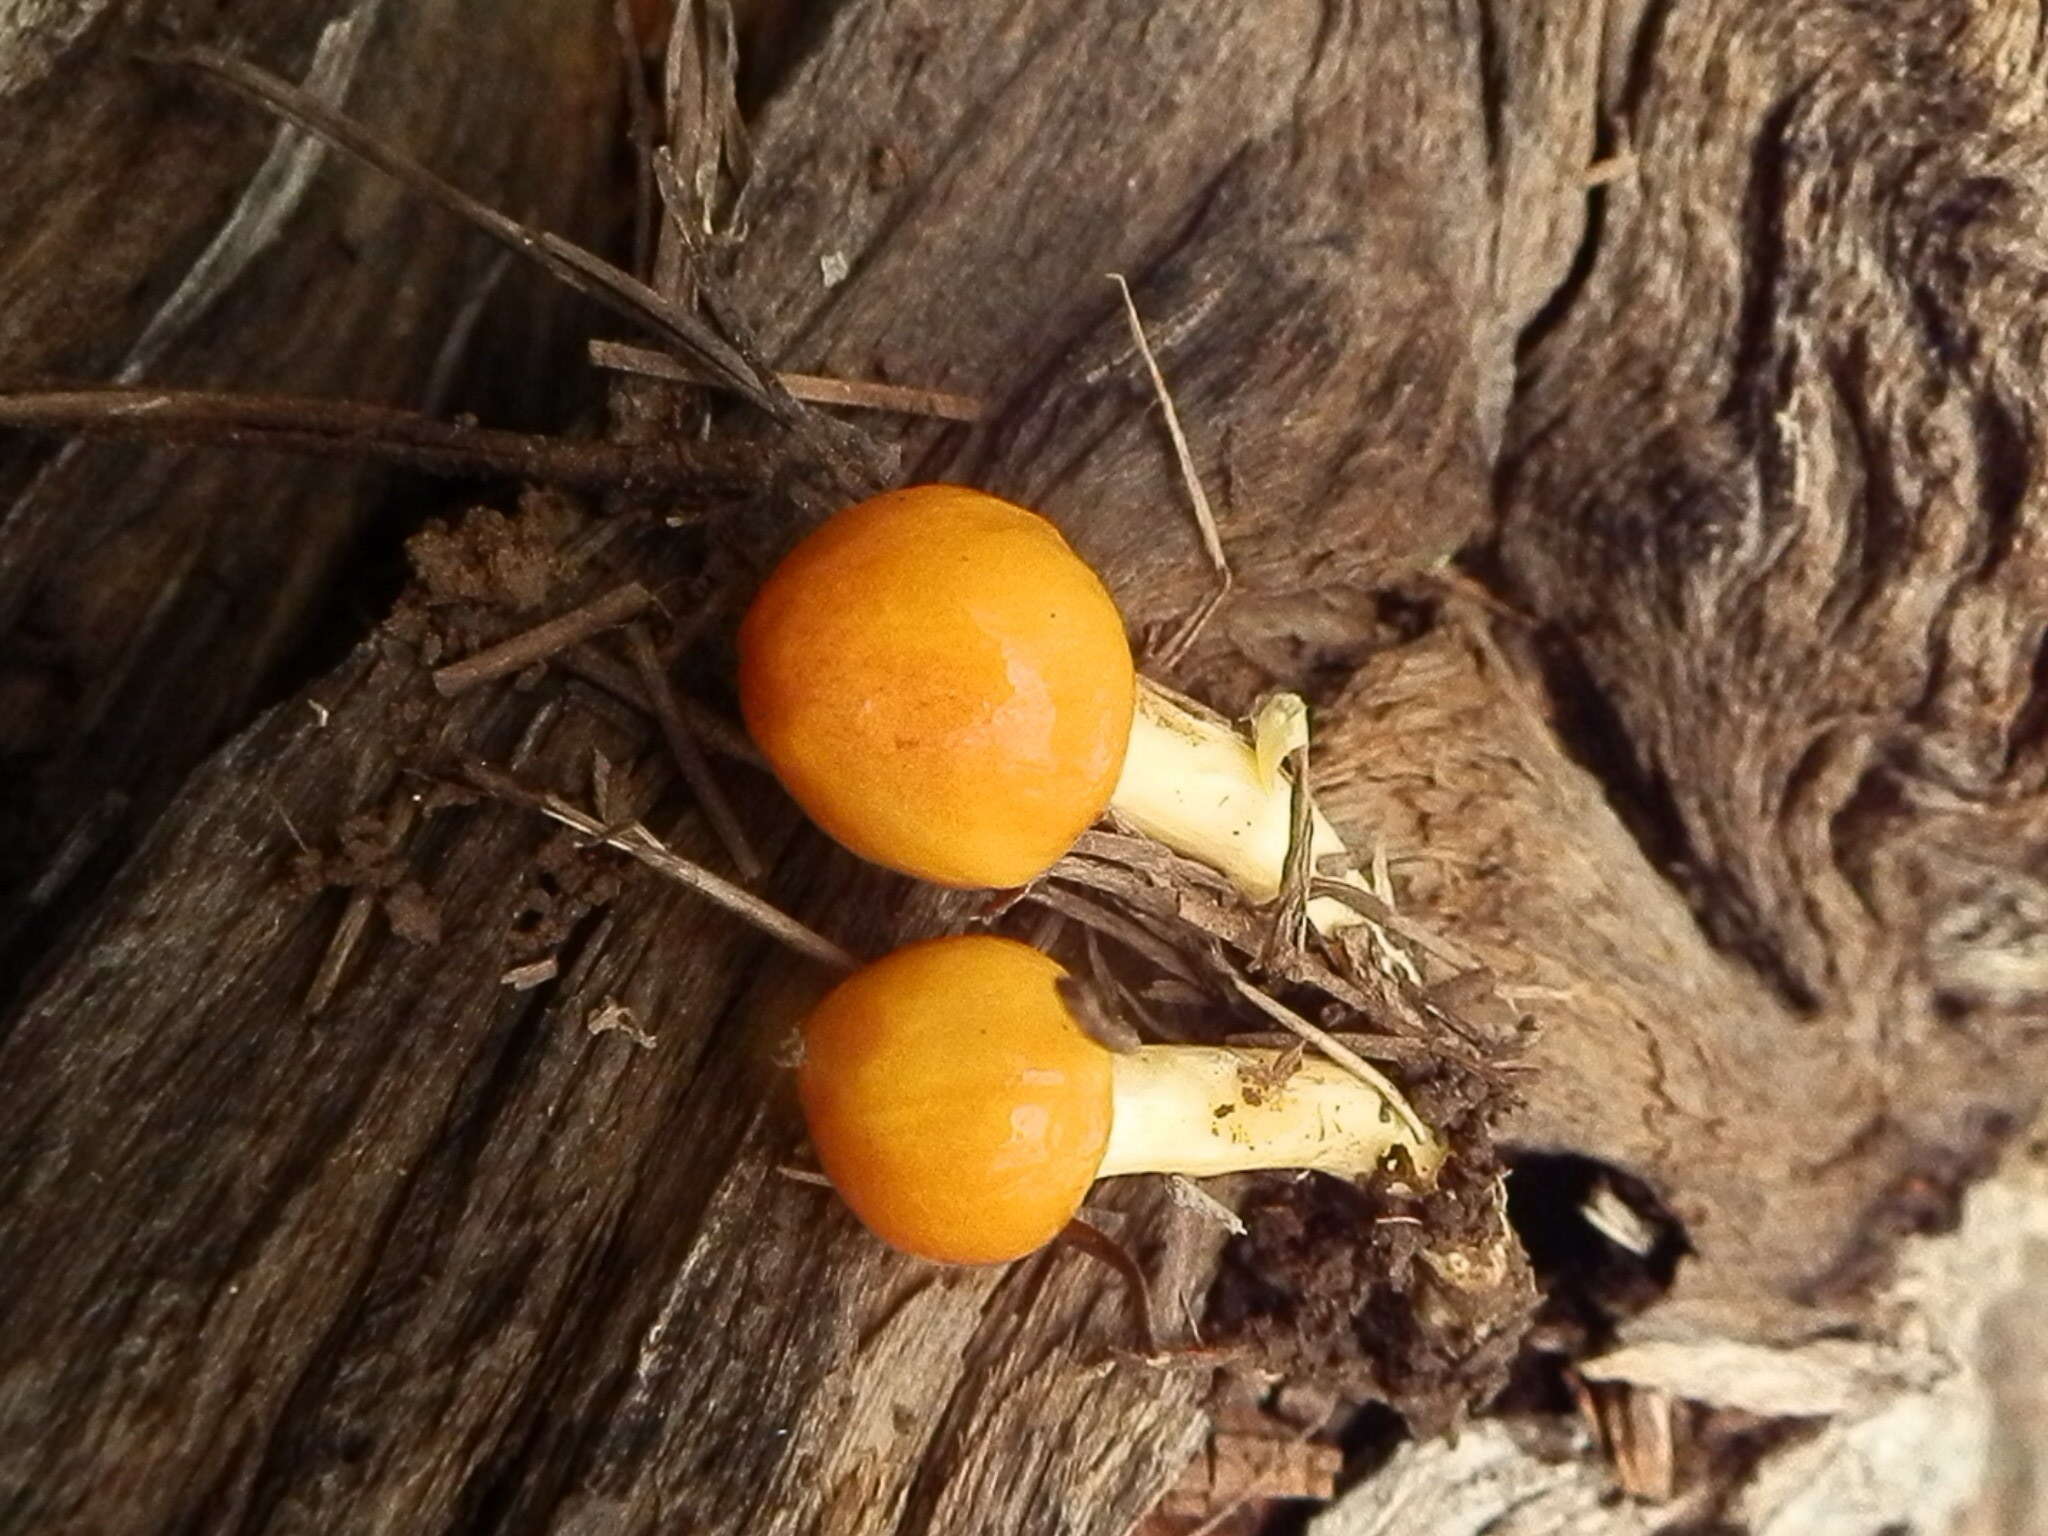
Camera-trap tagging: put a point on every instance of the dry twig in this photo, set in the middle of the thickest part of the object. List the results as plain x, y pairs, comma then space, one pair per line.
1205, 518
543, 640
343, 429
682, 745
852, 460
1421, 935
635, 840
1133, 935
1338, 1052
811, 387
1290, 925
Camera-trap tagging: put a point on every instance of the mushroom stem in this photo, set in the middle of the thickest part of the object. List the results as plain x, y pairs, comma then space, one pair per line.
1192, 781
1208, 1110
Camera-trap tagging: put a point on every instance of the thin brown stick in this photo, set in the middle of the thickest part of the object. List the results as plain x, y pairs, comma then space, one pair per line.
1103, 1248
1198, 499
621, 357
851, 459
618, 680
634, 840
569, 263
344, 429
1126, 932
1368, 905
689, 756
862, 395
677, 201
1290, 914
1337, 1051
543, 640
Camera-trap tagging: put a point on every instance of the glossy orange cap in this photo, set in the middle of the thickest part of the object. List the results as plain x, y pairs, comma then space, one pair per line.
942, 684
953, 1101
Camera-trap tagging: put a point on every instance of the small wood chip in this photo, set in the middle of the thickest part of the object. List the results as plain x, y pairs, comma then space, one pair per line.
612, 1017
524, 978
1235, 1468
1190, 1196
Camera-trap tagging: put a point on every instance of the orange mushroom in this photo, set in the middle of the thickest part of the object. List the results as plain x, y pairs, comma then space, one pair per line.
946, 688
963, 1114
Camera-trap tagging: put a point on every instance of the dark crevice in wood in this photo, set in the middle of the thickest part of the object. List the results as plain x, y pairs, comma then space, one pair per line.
776, 38
2005, 473
2029, 731
1584, 1271
1757, 336
1551, 314
1593, 732
1493, 80
34, 923
1881, 535
371, 574
1643, 51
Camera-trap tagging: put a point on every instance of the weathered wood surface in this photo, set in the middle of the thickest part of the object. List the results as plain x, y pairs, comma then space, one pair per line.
1774, 482
1760, 450
154, 232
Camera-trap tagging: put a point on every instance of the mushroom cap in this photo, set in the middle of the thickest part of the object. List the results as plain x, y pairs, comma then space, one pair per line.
942, 684
953, 1101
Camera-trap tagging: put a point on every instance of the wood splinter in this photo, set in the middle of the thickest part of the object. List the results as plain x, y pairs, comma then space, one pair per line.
515, 655
689, 756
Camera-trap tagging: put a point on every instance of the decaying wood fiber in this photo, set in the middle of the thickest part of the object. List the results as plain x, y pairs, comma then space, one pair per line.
153, 233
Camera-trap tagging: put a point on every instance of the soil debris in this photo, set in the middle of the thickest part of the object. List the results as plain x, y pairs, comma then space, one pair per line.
1419, 1303
414, 916
487, 557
